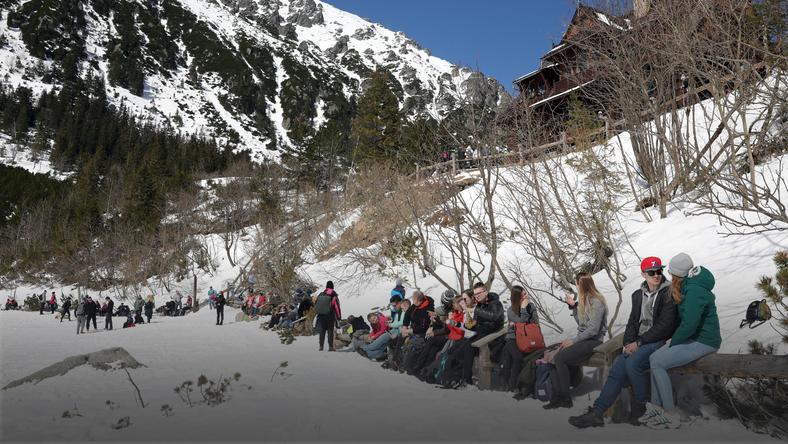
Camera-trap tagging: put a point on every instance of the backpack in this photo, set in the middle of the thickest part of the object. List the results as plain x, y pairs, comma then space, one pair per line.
411, 353
545, 382
323, 304
757, 311
449, 371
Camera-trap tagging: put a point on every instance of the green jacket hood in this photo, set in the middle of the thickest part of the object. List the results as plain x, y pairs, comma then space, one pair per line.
701, 277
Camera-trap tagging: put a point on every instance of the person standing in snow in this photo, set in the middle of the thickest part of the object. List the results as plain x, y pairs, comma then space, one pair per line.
52, 303
328, 313
178, 298
91, 308
219, 304
652, 322
211, 297
138, 304
149, 306
41, 303
108, 318
66, 309
80, 313
697, 335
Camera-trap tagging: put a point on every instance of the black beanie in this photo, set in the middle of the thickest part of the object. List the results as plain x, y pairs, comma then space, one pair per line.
330, 285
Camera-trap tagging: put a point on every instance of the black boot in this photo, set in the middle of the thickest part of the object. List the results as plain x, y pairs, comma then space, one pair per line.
637, 409
559, 402
591, 418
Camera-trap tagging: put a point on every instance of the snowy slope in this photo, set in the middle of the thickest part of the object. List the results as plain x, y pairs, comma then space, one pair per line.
257, 75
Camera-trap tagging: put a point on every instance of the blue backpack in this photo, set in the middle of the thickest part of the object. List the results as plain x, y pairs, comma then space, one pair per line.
545, 382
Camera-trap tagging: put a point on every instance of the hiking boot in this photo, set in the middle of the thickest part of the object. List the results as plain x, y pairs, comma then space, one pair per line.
332, 349
638, 409
520, 395
558, 403
591, 418
320, 349
362, 352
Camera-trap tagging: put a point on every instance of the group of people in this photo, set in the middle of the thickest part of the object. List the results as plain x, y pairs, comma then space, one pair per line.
673, 321
11, 303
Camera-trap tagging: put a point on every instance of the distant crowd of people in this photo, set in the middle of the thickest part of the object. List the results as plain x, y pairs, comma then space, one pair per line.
672, 322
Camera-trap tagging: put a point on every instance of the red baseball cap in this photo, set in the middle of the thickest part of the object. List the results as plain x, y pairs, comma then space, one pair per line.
651, 263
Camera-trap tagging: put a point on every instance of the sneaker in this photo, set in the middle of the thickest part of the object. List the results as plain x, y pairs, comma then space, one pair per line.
591, 418
664, 420
558, 403
652, 410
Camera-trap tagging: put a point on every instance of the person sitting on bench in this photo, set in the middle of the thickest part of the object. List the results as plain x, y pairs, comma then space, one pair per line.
652, 321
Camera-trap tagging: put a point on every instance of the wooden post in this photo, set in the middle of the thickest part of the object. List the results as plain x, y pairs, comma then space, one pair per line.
607, 128
485, 368
563, 141
453, 167
417, 172
194, 295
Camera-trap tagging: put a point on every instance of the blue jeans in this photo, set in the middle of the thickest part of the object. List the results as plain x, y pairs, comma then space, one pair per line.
667, 358
376, 348
210, 304
632, 368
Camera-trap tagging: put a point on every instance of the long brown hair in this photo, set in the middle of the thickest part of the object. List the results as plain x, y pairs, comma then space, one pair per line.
586, 289
517, 296
675, 288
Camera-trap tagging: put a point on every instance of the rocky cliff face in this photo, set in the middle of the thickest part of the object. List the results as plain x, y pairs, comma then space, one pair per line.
258, 75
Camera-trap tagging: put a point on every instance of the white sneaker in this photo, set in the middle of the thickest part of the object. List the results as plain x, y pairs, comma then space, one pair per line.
652, 410
665, 420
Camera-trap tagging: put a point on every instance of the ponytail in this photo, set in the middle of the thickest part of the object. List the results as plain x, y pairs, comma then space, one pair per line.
675, 288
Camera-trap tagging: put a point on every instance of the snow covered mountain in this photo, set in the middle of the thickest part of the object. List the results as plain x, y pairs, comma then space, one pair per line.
262, 75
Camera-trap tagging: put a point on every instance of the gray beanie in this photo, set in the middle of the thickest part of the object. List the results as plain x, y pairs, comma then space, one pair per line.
680, 265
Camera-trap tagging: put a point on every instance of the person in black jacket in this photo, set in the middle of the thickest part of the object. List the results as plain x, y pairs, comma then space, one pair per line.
66, 309
91, 309
149, 307
218, 303
653, 320
415, 324
488, 316
108, 317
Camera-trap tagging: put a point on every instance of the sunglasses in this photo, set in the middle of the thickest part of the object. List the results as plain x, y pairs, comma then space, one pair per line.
654, 272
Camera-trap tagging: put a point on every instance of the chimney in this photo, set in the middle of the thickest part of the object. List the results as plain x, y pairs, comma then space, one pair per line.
641, 8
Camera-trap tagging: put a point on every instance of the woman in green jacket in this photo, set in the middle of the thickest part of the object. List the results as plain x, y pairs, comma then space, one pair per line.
697, 335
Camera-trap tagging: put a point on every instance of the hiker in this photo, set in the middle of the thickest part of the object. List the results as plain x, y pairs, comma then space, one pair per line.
149, 306
378, 339
355, 328
178, 299
398, 289
415, 324
66, 309
138, 304
11, 304
218, 303
108, 316
211, 297
290, 316
445, 307
487, 318
129, 321
41, 303
303, 307
328, 313
123, 310
53, 304
91, 309
697, 335
652, 321
435, 340
522, 311
80, 314
395, 345
590, 313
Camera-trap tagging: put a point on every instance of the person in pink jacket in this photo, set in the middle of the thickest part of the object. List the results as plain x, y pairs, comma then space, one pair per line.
379, 338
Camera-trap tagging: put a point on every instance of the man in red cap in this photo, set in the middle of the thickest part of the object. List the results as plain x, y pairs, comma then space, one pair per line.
652, 321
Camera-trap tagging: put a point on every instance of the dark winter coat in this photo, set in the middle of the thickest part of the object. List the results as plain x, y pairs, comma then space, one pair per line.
666, 317
91, 308
67, 305
419, 319
698, 311
304, 307
489, 315
358, 324
149, 306
110, 306
219, 301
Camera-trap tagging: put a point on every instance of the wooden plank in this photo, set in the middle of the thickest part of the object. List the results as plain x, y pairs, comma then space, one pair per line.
739, 366
611, 346
489, 338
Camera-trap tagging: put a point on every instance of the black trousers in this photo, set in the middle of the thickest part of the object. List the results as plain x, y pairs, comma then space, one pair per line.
41, 307
325, 325
66, 312
431, 348
52, 308
108, 322
571, 356
87, 323
512, 363
219, 314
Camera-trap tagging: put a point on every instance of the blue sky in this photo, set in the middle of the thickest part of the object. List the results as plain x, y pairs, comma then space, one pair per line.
502, 38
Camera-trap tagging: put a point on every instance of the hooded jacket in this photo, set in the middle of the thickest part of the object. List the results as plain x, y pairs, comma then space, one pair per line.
455, 326
380, 327
698, 311
396, 321
419, 318
489, 315
665, 318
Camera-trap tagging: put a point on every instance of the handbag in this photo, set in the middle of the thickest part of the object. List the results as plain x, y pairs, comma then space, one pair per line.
529, 337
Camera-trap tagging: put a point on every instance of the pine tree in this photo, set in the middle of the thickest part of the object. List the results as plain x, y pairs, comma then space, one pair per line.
778, 294
377, 127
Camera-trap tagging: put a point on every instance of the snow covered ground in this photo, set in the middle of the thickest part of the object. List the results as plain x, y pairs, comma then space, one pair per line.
327, 397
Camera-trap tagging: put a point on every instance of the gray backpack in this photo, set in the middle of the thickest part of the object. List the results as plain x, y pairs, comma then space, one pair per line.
323, 304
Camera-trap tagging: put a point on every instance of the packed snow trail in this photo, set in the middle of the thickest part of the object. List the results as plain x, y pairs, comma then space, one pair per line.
329, 397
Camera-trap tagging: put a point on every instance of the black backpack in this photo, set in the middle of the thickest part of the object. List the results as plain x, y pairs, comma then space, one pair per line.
757, 311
